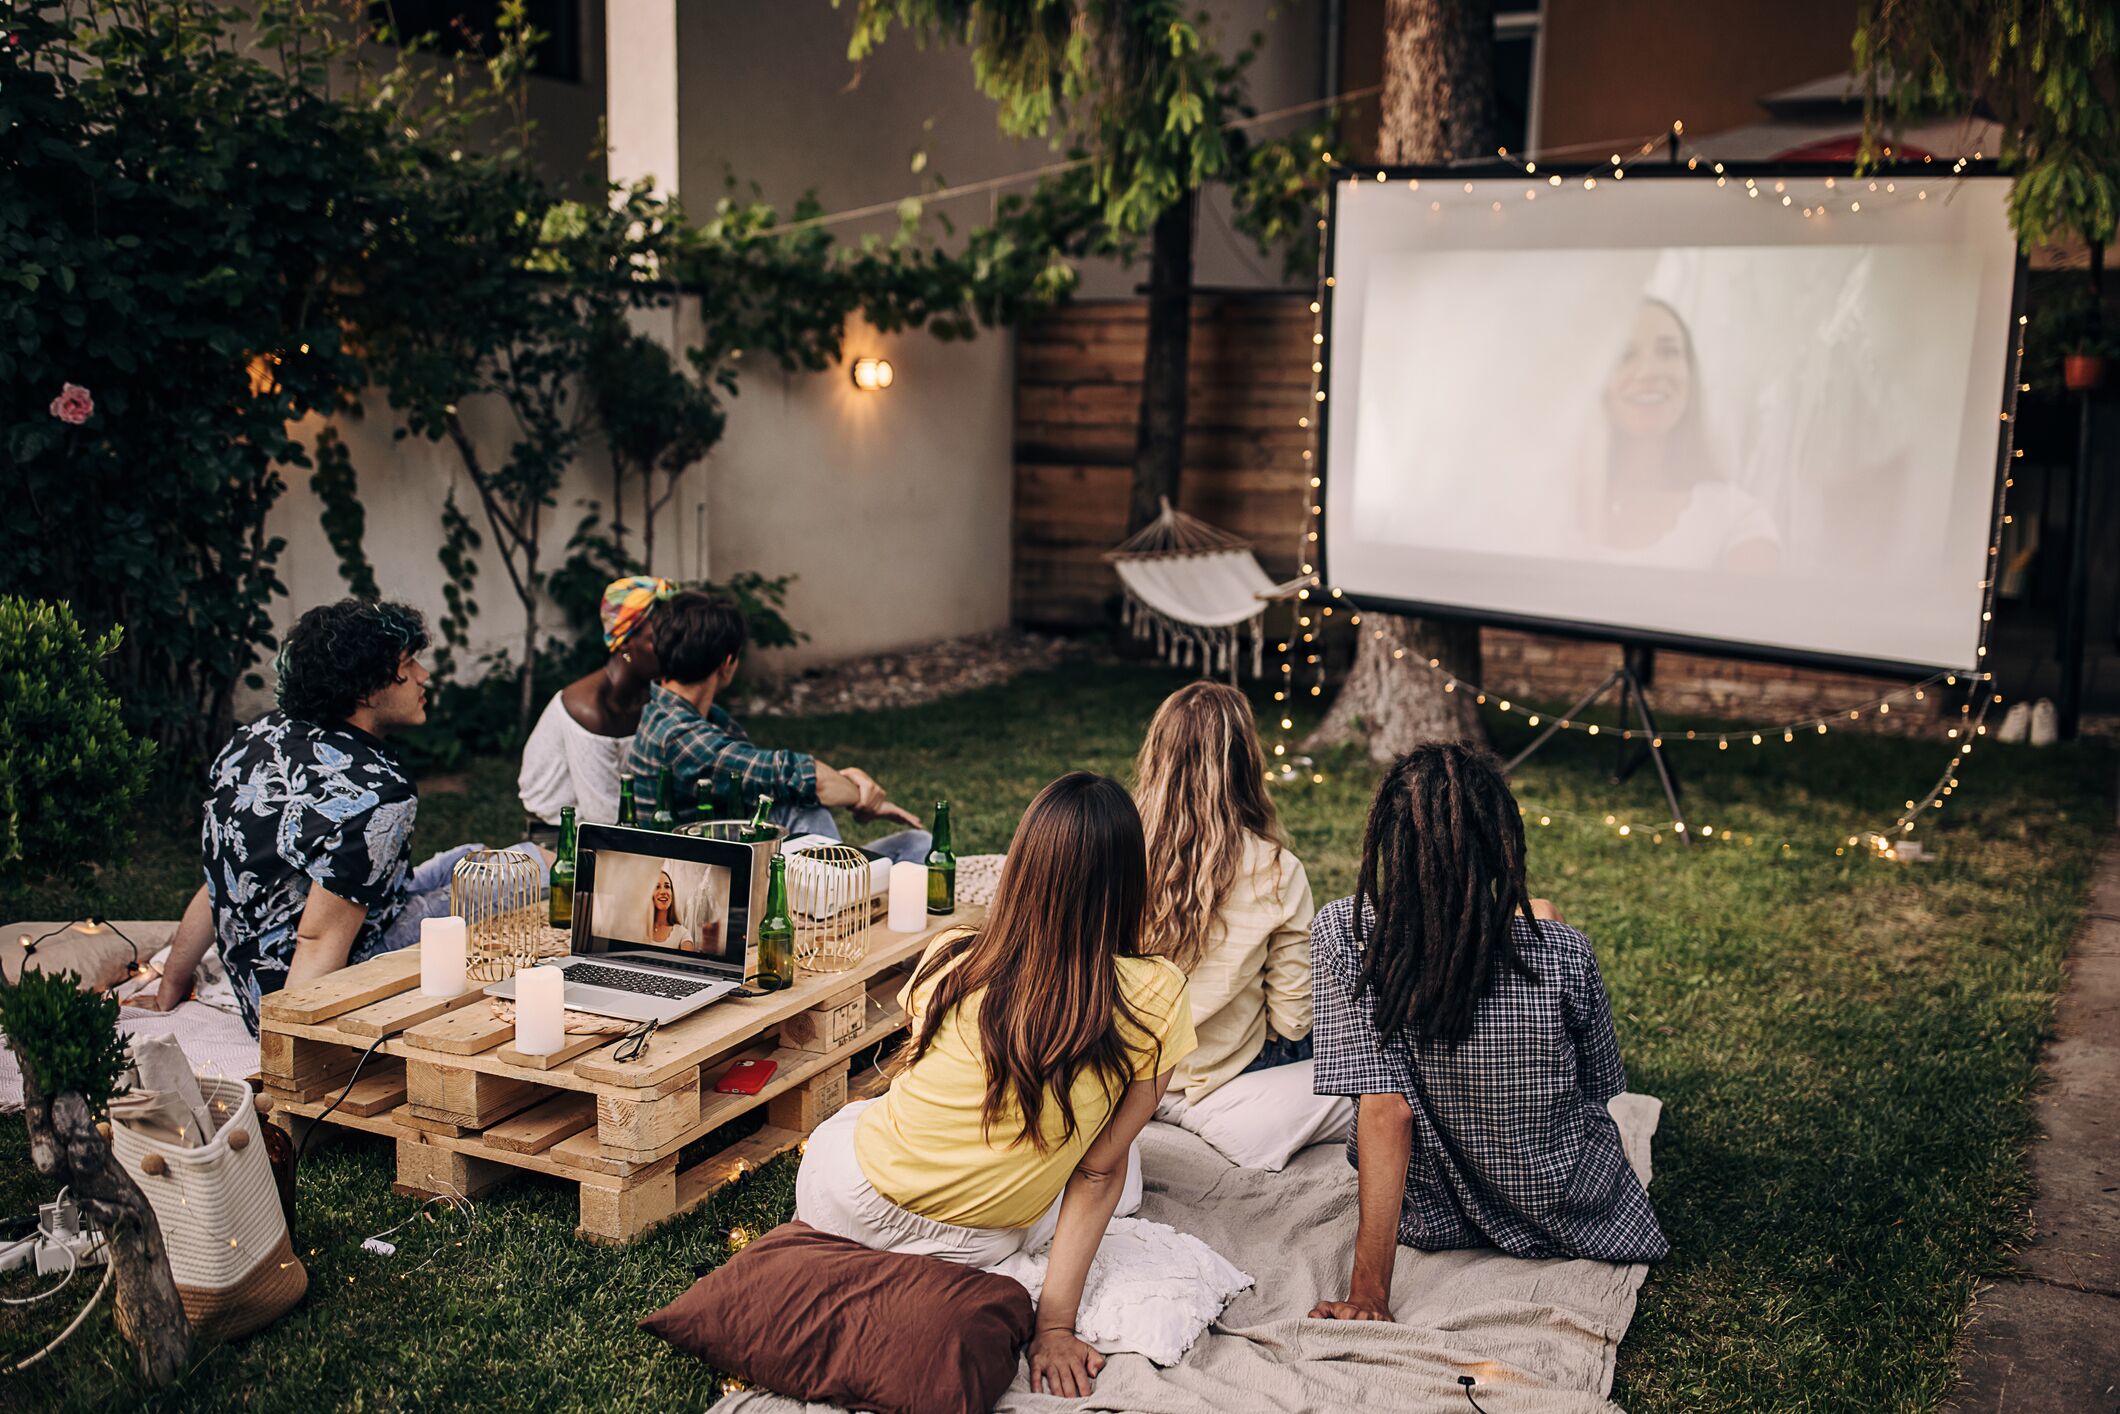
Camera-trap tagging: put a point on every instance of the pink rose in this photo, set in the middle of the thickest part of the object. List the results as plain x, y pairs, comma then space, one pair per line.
73, 406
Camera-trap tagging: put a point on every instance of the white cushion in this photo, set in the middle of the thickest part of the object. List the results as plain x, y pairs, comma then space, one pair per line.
1151, 1289
1261, 1120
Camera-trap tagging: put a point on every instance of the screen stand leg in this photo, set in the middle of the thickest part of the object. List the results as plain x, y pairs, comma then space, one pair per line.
1631, 677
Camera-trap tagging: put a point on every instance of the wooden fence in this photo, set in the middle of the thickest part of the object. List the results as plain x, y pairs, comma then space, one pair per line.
1078, 398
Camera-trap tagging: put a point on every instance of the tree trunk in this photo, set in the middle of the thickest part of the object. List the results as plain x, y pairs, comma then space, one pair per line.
1159, 439
648, 508
64, 1145
1438, 100
526, 704
1437, 106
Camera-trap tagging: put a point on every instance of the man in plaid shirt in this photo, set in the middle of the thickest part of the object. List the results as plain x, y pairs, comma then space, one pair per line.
699, 639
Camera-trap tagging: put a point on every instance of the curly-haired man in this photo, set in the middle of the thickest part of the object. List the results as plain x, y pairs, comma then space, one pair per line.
308, 829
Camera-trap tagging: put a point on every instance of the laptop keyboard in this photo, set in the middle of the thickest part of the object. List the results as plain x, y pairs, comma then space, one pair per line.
626, 979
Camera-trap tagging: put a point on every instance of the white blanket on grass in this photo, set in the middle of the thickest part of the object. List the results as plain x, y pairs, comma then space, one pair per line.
1539, 1337
208, 1028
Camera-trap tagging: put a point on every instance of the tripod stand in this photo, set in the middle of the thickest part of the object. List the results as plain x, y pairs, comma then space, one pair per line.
1633, 676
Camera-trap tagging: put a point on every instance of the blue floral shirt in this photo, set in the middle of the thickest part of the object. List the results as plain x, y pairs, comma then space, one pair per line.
294, 804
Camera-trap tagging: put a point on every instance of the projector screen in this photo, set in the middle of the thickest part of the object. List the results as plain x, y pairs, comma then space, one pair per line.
1671, 410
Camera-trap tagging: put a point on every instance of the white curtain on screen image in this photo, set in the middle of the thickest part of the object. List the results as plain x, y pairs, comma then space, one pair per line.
1664, 407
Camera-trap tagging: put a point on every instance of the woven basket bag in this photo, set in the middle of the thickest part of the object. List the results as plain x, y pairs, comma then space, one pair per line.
235, 1270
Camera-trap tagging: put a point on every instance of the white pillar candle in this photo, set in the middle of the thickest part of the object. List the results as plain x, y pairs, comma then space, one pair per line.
443, 945
540, 1012
909, 883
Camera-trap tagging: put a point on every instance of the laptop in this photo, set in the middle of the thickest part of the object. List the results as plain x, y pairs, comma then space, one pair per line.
662, 923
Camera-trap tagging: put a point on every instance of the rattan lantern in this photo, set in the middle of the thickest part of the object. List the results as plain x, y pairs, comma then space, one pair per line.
831, 892
499, 893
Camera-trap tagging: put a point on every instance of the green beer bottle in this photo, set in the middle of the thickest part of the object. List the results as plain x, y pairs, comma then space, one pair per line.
628, 812
756, 829
562, 915
664, 816
776, 933
728, 800
942, 865
701, 785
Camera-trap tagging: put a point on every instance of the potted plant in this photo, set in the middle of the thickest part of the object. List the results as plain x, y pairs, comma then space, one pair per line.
2069, 342
2083, 364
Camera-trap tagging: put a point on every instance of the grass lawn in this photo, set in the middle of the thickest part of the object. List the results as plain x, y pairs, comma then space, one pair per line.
1845, 1050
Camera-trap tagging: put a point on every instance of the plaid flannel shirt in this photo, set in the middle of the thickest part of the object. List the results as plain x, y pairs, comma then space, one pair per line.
699, 747
1512, 1144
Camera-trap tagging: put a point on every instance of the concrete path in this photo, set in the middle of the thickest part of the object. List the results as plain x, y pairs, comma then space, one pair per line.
2048, 1337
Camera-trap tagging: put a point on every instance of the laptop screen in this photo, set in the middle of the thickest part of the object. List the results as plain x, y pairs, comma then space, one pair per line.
662, 898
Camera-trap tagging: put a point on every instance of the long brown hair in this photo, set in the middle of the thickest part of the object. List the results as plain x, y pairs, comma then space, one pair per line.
1067, 909
1441, 886
1200, 781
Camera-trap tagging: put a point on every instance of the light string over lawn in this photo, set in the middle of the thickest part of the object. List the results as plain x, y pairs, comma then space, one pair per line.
1311, 620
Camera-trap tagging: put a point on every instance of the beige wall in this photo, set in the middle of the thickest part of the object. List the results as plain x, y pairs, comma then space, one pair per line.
891, 509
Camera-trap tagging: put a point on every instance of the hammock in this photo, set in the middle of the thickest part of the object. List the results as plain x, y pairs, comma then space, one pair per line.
1194, 589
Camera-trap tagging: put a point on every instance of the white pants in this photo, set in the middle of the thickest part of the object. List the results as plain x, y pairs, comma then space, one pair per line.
833, 1195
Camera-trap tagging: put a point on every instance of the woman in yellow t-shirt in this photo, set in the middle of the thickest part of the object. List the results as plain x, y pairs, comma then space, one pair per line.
1041, 1044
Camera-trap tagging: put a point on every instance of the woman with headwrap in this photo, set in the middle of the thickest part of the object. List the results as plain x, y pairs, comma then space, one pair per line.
574, 751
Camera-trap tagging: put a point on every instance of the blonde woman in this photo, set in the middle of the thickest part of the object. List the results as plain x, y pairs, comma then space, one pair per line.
1228, 901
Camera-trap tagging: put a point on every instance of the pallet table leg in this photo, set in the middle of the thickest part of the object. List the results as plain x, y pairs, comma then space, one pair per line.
830, 1025
469, 1098
428, 1170
616, 1210
641, 1125
811, 1103
302, 1069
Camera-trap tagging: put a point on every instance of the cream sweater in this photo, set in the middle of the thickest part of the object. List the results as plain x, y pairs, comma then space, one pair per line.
1256, 971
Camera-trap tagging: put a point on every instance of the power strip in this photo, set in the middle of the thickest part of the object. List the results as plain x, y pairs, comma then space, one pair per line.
59, 1233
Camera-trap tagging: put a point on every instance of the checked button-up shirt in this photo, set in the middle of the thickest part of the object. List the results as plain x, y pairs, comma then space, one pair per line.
1512, 1144
700, 746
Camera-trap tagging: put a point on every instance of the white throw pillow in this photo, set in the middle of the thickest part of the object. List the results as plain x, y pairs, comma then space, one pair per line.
1261, 1120
1151, 1290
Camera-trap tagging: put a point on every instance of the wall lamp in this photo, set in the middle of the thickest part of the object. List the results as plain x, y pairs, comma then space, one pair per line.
872, 375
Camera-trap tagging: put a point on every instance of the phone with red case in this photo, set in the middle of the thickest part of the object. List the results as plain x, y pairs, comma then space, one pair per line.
746, 1077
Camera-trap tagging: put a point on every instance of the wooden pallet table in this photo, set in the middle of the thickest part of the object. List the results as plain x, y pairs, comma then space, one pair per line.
465, 1107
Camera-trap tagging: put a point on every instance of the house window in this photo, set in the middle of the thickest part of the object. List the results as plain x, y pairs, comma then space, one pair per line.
472, 27
1516, 56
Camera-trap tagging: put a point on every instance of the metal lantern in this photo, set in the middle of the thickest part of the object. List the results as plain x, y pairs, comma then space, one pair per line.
499, 893
831, 892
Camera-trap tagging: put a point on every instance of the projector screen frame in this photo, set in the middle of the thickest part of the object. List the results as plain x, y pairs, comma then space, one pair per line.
1658, 170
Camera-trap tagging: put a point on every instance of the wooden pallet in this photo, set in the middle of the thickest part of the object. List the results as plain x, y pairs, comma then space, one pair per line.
465, 1107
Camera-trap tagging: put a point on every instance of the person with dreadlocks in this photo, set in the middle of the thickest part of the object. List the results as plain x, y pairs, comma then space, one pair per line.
1472, 1024
307, 837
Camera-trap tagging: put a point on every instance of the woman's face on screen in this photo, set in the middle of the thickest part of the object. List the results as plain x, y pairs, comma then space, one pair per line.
664, 894
1653, 380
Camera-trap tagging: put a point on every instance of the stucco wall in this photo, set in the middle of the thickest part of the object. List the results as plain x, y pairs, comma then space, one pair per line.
892, 509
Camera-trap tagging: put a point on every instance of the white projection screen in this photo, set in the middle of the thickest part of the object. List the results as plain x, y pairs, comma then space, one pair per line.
1672, 411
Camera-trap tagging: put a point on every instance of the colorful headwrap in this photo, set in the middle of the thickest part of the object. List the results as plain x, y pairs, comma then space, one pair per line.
626, 602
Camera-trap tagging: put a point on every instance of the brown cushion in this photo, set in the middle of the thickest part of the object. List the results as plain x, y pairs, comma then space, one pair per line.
98, 956
812, 1316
